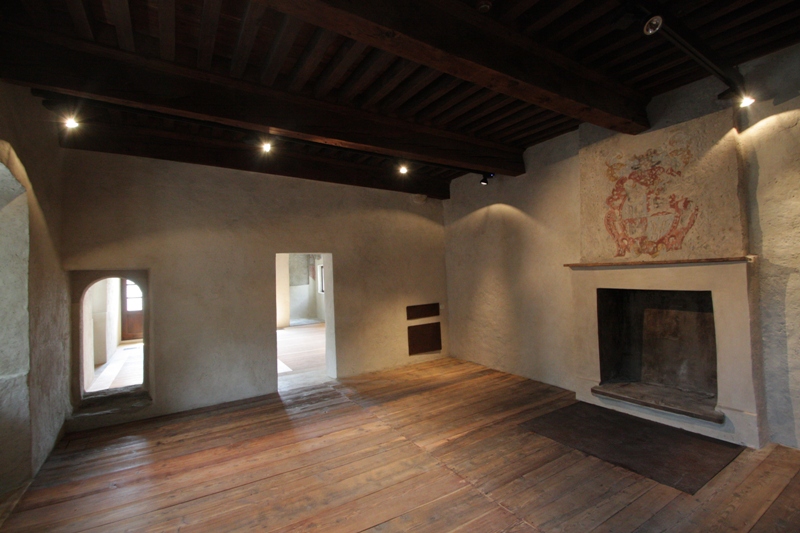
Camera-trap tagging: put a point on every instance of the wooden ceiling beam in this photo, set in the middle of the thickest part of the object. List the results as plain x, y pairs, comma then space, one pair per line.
451, 37
251, 23
150, 84
77, 12
209, 21
186, 148
166, 29
121, 16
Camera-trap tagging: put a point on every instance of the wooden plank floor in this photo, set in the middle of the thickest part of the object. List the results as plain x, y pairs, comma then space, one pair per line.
431, 447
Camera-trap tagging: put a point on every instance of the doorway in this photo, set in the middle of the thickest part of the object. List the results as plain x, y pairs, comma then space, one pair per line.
306, 349
112, 335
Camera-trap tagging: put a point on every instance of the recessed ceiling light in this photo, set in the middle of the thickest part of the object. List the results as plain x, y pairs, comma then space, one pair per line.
71, 123
266, 147
652, 26
747, 101
403, 169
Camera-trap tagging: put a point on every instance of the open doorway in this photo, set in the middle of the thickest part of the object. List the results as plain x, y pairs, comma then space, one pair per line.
305, 321
112, 339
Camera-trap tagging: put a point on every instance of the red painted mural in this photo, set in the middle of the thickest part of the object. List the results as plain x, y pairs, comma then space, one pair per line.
645, 213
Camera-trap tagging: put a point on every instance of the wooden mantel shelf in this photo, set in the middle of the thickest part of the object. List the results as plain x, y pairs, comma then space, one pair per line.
748, 258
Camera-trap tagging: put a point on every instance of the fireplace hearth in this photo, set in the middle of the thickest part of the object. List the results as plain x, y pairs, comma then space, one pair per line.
658, 348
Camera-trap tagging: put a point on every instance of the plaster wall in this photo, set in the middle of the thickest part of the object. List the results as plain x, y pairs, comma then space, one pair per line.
99, 296
510, 298
15, 454
87, 341
770, 144
113, 316
30, 130
282, 298
320, 296
209, 238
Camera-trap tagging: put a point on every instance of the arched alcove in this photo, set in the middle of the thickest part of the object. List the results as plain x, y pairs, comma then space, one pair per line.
100, 300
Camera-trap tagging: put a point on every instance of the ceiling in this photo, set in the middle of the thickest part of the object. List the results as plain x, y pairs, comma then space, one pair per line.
347, 91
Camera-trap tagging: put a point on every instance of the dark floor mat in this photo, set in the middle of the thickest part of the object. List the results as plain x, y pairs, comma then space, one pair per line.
674, 457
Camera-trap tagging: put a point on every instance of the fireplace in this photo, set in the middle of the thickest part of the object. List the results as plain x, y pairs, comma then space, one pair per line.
670, 343
658, 349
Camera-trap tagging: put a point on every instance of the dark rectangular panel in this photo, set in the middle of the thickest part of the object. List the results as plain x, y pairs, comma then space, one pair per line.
424, 338
422, 311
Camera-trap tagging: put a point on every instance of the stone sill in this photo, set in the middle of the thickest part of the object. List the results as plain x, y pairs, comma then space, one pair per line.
693, 404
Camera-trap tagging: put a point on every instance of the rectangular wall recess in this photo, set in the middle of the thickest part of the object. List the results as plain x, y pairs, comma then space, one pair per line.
414, 312
424, 338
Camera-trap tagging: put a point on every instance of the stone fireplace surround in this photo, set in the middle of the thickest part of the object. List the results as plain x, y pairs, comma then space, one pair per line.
728, 281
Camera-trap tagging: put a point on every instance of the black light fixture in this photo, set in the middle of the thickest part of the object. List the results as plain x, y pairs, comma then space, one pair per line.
671, 29
485, 178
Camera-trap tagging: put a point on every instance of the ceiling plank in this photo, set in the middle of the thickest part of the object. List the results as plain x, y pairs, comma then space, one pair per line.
464, 107
393, 77
308, 62
346, 56
166, 29
281, 46
38, 12
423, 77
209, 21
251, 23
77, 11
450, 36
430, 94
121, 15
150, 84
370, 68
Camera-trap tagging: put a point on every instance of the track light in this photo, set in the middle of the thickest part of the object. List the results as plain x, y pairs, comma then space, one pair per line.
653, 25
485, 178
747, 101
71, 123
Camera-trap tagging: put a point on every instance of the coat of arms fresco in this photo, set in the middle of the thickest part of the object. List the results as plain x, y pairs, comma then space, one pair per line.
647, 214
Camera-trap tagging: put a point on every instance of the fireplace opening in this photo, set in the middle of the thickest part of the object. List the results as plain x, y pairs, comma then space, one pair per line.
658, 348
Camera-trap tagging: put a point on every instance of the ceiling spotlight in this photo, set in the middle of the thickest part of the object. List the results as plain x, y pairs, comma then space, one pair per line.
747, 101
266, 147
71, 123
483, 6
485, 178
653, 25
403, 169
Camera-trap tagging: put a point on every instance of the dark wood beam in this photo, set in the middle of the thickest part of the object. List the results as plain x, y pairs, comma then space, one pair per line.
100, 73
308, 62
209, 21
281, 46
174, 146
166, 29
77, 11
251, 23
454, 38
121, 16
